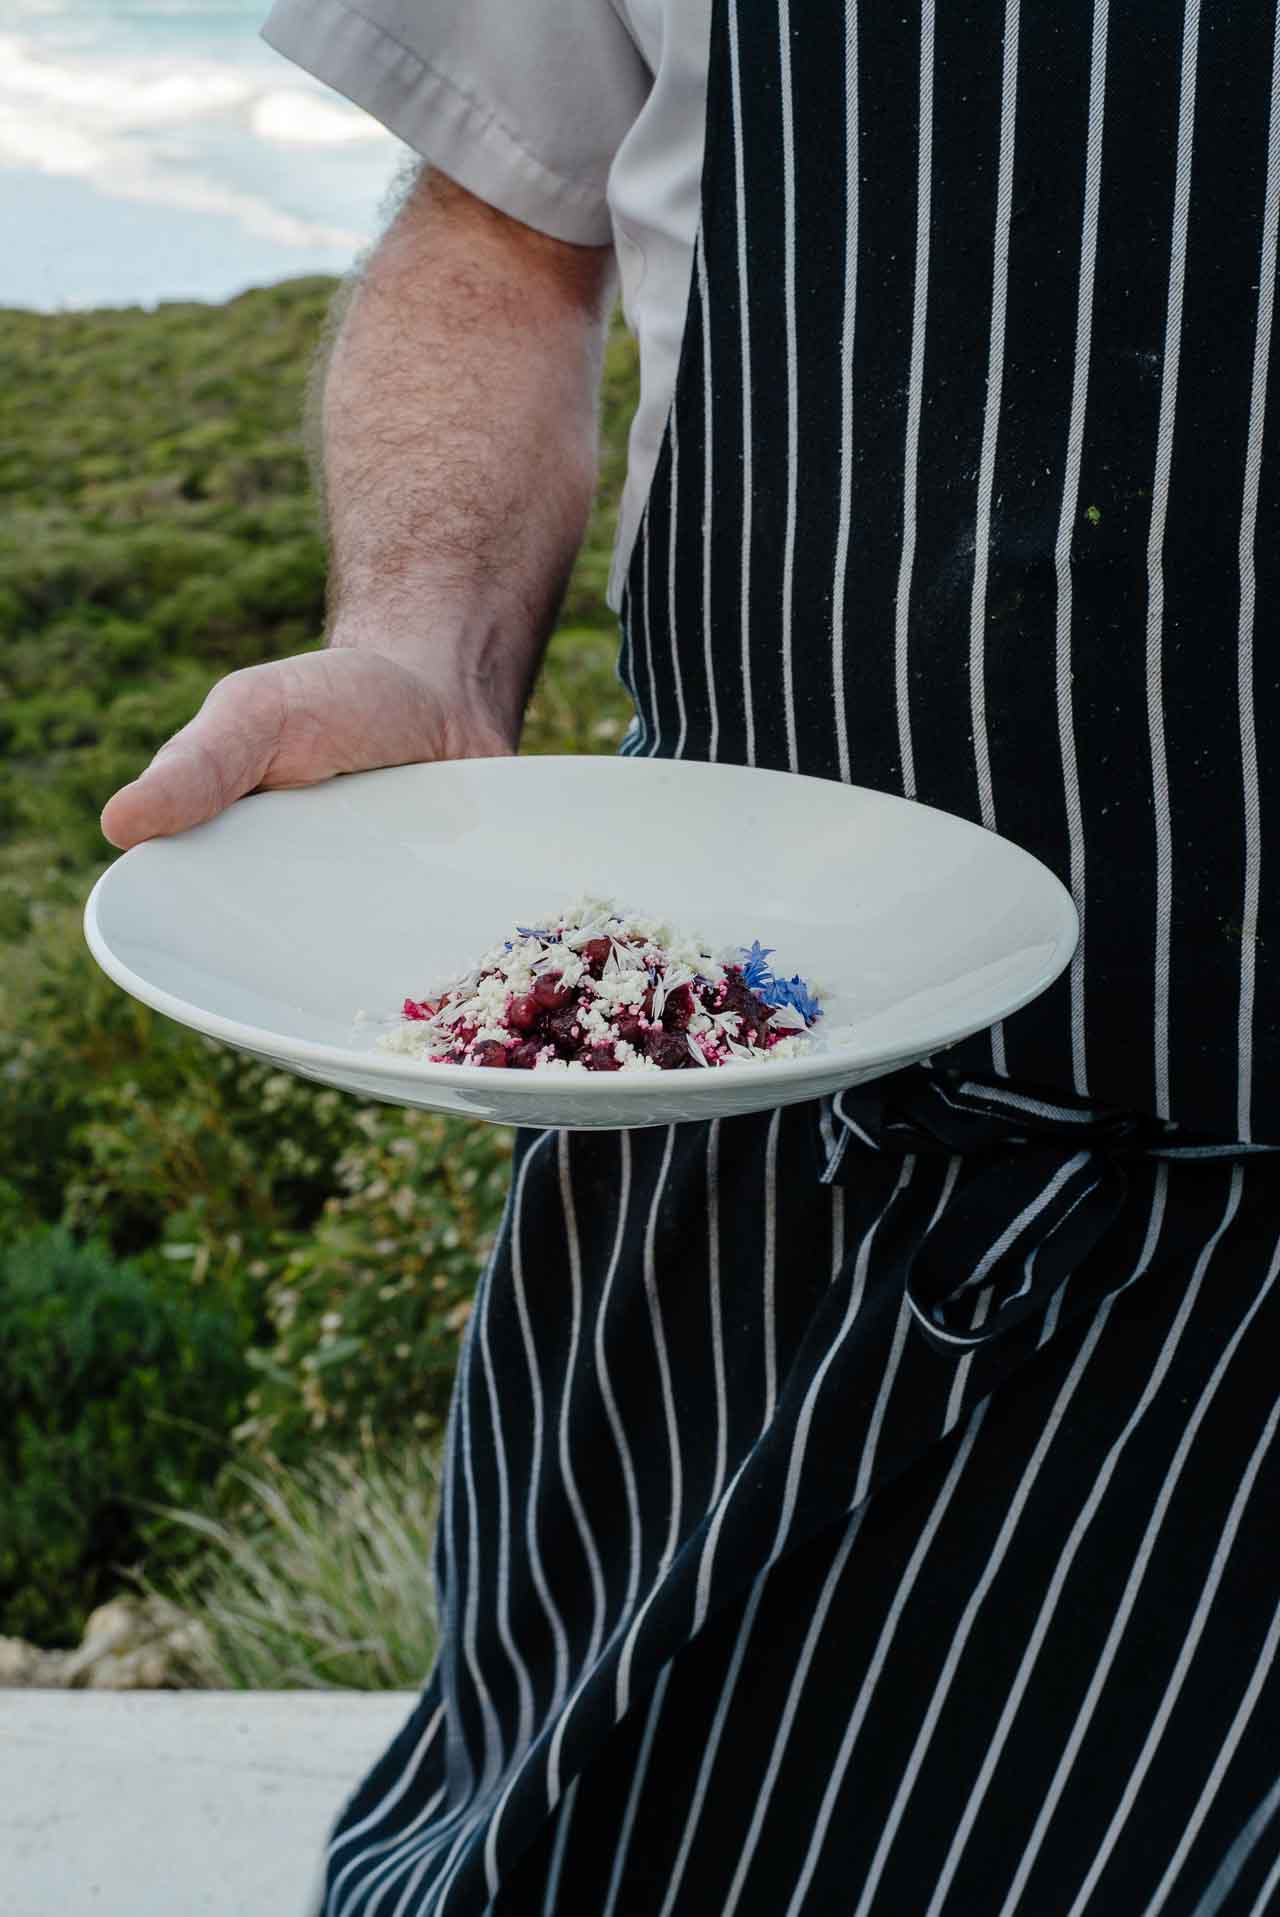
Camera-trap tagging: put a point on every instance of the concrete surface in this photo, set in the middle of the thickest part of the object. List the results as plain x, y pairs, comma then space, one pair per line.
177, 1803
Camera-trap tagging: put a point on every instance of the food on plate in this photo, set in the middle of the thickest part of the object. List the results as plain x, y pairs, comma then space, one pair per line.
597, 989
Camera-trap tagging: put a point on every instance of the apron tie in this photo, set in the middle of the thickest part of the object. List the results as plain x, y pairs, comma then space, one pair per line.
1048, 1182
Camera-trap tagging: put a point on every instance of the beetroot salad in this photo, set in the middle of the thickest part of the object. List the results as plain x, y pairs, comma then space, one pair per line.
598, 990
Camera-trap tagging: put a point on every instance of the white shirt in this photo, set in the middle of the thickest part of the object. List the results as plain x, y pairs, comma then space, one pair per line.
583, 118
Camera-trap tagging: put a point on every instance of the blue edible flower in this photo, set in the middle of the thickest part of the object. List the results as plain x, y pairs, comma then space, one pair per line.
794, 992
776, 991
755, 970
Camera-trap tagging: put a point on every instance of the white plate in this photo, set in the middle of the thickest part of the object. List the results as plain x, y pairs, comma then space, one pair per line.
272, 926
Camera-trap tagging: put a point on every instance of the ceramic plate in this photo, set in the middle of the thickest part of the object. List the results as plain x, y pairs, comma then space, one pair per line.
294, 925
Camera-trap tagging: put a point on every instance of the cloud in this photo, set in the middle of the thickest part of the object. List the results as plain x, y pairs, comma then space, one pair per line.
289, 118
118, 126
127, 97
124, 174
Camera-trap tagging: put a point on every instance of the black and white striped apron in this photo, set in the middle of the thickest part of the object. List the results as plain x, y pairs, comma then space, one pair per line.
871, 1507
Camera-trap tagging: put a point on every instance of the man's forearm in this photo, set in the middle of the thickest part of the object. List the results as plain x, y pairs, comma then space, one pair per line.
459, 441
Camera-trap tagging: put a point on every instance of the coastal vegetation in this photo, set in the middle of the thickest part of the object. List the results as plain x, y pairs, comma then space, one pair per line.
210, 1272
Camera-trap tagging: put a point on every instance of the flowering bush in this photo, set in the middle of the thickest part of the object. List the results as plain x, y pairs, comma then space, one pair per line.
126, 1127
368, 1307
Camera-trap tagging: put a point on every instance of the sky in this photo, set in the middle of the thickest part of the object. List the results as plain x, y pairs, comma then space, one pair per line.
157, 149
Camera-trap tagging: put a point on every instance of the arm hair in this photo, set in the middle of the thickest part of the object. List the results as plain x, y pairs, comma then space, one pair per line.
452, 420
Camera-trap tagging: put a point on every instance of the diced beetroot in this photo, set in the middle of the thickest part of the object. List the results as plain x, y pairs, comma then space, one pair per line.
549, 994
740, 998
678, 1010
522, 1013
489, 1052
417, 1008
630, 1028
594, 953
525, 1055
736, 995
598, 1058
668, 1050
564, 1030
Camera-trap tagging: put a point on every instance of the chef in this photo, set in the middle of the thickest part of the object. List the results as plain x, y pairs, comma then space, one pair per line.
864, 1507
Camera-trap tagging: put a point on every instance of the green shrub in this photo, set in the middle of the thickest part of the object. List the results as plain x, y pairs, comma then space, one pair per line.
578, 704
208, 1151
127, 1127
114, 1386
369, 1306
14, 1216
347, 1237
205, 614
66, 718
124, 646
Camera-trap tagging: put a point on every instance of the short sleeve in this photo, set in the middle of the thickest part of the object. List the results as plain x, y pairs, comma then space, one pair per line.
523, 102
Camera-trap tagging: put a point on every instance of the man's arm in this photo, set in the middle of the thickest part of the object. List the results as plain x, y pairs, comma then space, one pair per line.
459, 438
458, 426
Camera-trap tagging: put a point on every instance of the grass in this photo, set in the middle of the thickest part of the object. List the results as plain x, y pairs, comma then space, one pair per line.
323, 1585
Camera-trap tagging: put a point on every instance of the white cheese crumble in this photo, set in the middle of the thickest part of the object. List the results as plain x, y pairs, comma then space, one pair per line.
497, 1004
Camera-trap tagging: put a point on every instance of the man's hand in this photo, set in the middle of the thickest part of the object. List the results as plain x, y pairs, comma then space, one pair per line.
296, 721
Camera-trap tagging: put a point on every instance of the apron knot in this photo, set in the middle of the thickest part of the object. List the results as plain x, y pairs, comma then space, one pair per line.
1047, 1182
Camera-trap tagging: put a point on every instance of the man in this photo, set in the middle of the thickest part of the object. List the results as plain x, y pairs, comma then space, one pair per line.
868, 1507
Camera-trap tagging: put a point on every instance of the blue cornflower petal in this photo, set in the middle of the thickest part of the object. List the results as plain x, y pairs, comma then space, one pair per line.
795, 992
755, 969
790, 991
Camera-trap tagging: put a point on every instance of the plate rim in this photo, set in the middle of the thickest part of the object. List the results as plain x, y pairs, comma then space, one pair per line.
587, 1086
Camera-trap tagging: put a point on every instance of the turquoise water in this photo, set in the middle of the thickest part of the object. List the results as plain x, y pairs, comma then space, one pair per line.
158, 149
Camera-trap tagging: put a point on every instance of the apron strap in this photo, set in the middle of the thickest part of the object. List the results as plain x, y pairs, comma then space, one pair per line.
1047, 1184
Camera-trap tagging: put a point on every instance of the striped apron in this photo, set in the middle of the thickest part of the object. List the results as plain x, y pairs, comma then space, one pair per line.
871, 1507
